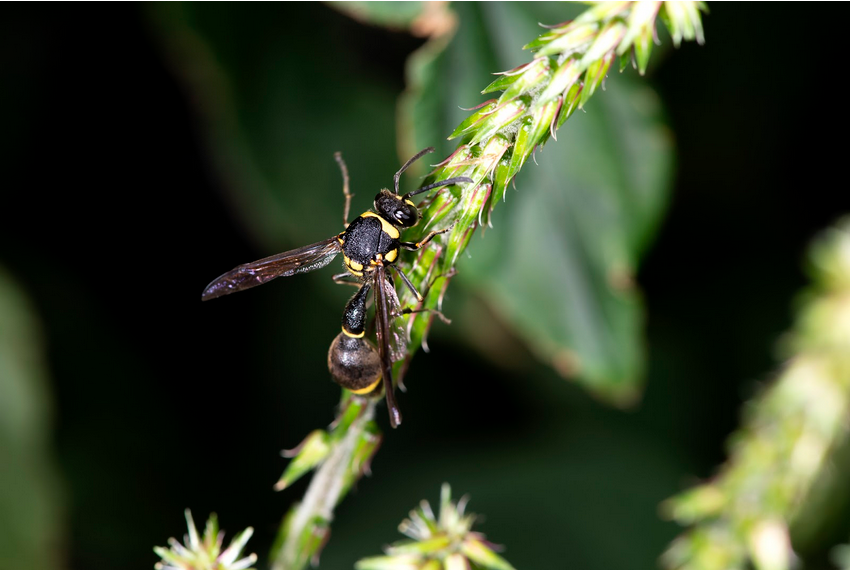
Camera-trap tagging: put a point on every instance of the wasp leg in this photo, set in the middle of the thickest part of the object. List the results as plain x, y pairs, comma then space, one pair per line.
413, 246
409, 311
346, 279
348, 195
408, 283
420, 298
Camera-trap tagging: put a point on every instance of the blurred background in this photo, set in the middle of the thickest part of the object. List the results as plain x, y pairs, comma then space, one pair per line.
149, 148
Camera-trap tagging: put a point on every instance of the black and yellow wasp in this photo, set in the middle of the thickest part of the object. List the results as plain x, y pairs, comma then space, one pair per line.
370, 246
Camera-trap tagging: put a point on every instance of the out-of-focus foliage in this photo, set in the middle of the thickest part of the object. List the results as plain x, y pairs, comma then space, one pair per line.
765, 494
31, 509
400, 15
841, 555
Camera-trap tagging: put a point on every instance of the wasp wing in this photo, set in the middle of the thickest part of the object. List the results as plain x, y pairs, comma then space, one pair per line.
284, 264
385, 297
397, 332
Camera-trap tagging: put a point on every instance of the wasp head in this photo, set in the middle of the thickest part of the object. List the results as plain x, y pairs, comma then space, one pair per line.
397, 210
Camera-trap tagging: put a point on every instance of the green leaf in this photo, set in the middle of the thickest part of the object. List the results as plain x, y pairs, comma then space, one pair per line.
31, 510
504, 114
564, 77
313, 451
387, 14
643, 49
273, 119
421, 547
537, 73
574, 40
595, 75
445, 76
559, 264
561, 269
570, 104
502, 83
470, 122
482, 554
407, 562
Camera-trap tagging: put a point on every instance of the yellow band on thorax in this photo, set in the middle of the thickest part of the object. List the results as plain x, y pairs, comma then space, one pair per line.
351, 264
385, 225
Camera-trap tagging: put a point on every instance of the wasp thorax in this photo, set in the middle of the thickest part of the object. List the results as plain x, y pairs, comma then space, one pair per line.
396, 210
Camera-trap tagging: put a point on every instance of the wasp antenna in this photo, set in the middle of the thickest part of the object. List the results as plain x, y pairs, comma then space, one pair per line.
346, 192
448, 182
407, 164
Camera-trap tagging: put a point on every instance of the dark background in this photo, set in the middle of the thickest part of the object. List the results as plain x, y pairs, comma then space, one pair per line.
114, 219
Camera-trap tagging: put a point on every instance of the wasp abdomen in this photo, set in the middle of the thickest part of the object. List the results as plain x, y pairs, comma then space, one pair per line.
353, 361
354, 364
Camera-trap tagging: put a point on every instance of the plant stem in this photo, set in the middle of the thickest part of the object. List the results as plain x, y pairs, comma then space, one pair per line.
311, 518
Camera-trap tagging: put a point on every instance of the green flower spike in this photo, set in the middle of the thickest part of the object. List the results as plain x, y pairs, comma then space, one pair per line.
780, 461
569, 64
307, 455
205, 554
439, 543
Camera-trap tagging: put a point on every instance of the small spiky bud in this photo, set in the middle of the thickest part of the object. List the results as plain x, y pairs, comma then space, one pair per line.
205, 553
444, 542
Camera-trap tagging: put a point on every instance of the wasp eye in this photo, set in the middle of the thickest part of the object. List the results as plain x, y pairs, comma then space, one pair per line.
407, 217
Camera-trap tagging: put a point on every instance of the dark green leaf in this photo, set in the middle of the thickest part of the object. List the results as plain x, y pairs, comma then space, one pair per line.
594, 76
502, 83
388, 14
536, 74
31, 512
274, 118
504, 115
468, 124
560, 265
523, 147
